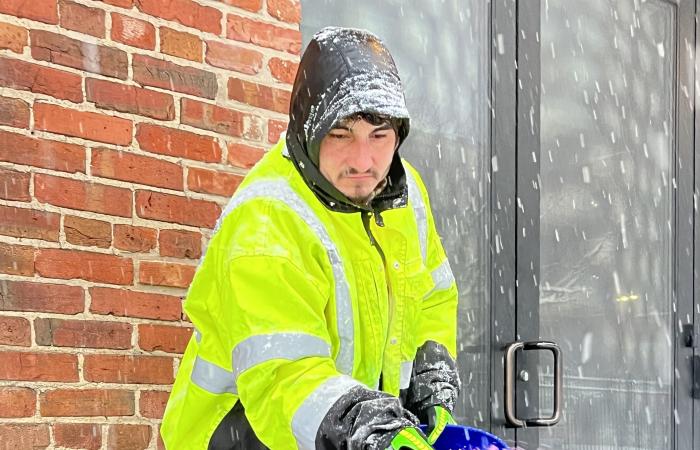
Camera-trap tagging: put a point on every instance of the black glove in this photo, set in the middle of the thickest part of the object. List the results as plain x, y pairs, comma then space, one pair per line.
363, 419
434, 381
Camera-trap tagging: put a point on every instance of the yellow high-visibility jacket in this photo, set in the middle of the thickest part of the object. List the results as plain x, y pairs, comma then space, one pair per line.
292, 306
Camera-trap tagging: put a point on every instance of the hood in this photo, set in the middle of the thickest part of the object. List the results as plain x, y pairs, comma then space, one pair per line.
344, 71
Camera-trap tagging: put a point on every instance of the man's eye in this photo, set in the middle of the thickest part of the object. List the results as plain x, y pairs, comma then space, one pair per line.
338, 135
380, 135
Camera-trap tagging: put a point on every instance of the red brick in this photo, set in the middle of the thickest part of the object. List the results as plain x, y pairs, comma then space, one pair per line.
183, 45
41, 297
127, 436
250, 5
166, 75
275, 129
24, 436
165, 274
13, 186
86, 403
212, 181
285, 10
82, 333
80, 18
81, 195
23, 401
87, 232
125, 369
14, 112
283, 70
220, 120
234, 57
134, 239
40, 10
86, 125
34, 366
130, 99
164, 338
14, 331
125, 303
254, 94
69, 264
16, 259
25, 76
136, 168
78, 435
176, 209
185, 12
58, 49
152, 403
13, 37
20, 149
29, 223
244, 156
173, 142
180, 244
133, 32
263, 34
128, 4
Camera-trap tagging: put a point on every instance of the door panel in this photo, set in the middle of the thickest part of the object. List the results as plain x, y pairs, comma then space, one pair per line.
606, 196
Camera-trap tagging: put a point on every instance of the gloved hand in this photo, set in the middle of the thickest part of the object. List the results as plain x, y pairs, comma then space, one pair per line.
411, 439
438, 418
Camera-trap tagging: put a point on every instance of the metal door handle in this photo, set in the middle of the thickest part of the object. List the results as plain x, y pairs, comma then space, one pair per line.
510, 368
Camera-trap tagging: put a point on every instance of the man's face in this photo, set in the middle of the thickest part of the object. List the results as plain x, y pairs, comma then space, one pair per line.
355, 157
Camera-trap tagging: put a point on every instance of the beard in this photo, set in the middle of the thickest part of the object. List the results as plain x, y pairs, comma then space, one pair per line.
365, 200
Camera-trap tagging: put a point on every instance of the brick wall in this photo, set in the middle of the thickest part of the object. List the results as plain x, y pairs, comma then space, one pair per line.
125, 125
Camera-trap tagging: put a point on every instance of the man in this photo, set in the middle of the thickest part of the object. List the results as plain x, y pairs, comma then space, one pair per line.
325, 308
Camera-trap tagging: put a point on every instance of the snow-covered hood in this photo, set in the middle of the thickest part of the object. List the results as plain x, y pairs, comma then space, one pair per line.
344, 71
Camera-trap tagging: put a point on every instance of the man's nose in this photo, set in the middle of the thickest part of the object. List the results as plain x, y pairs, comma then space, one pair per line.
360, 157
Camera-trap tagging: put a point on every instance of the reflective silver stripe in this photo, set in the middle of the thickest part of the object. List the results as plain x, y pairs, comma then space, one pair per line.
265, 347
416, 199
310, 414
212, 378
197, 336
442, 276
280, 190
406, 371
253, 351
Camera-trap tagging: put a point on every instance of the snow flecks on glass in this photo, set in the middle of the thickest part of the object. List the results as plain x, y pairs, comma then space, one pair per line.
607, 120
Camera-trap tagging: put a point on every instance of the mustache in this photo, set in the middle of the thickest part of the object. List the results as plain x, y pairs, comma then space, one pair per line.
351, 171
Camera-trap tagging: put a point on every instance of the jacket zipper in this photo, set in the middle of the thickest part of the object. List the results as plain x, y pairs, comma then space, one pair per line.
366, 215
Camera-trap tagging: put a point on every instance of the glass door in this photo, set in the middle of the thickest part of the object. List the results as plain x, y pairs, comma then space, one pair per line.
604, 226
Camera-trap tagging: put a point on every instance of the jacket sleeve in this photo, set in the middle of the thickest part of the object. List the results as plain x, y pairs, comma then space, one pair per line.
434, 377
274, 320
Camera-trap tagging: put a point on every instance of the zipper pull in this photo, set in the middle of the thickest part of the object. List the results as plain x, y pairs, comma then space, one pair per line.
378, 219
365, 222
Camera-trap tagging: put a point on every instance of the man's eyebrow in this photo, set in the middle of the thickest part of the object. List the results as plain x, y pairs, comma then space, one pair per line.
384, 126
341, 126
